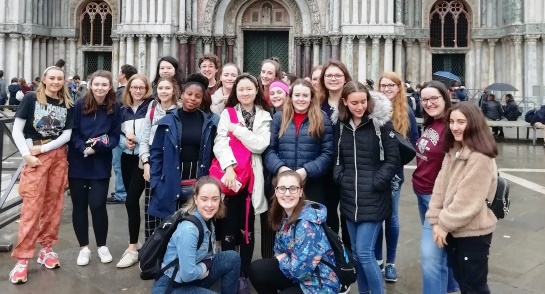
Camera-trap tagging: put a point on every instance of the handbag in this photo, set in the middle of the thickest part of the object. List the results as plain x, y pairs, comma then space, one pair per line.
243, 168
187, 189
500, 204
406, 148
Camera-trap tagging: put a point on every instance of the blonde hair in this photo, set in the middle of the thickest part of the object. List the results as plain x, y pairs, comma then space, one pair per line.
127, 99
400, 113
191, 206
63, 95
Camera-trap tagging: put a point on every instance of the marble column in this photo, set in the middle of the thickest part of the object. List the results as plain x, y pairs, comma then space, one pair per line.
166, 45
375, 57
363, 15
517, 39
345, 17
27, 67
478, 69
56, 52
410, 11
316, 41
35, 57
335, 40
168, 16
491, 61
230, 48
62, 48
355, 12
28, 14
192, 57
516, 12
3, 8
298, 56
145, 11
141, 53
207, 41
381, 11
182, 52
188, 18
136, 11
328, 50
13, 56
181, 17
307, 61
115, 58
218, 50
152, 12
154, 55
2, 50
174, 45
373, 12
409, 62
122, 50
130, 50
362, 57
160, 11
195, 16
398, 64
349, 53
399, 12
43, 54
20, 56
388, 53
423, 44
50, 49
390, 12
531, 68
336, 15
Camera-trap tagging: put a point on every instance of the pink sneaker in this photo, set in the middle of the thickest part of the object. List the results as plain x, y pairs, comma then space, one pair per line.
19, 273
49, 258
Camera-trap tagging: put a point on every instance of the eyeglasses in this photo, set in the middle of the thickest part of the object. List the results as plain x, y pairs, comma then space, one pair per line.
336, 76
138, 88
389, 86
282, 190
432, 99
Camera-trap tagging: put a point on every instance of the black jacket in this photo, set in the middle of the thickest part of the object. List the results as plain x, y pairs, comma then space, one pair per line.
365, 179
511, 111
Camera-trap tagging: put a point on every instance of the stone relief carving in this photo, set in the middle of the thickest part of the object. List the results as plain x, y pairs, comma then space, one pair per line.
236, 5
76, 5
471, 5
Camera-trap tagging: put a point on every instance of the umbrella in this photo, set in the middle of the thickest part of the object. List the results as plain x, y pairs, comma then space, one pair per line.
501, 87
447, 75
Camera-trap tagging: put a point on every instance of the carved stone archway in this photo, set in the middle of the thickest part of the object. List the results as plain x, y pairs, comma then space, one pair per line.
77, 5
234, 16
471, 5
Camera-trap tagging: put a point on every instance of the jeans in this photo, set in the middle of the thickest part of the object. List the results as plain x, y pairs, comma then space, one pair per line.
225, 266
363, 236
391, 226
437, 276
119, 189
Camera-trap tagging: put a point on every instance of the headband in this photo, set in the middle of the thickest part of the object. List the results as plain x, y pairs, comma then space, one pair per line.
280, 85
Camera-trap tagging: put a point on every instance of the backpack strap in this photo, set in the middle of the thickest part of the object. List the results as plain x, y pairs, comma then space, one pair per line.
193, 219
341, 126
152, 110
232, 114
379, 135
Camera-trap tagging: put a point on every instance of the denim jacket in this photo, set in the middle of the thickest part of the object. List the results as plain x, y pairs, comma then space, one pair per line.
183, 244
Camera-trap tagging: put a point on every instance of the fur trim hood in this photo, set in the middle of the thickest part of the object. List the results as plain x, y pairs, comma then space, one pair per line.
382, 113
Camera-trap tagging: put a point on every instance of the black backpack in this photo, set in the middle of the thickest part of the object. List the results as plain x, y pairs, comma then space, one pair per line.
500, 204
151, 254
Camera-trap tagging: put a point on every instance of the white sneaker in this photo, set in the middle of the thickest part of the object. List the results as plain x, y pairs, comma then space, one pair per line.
104, 254
84, 256
129, 258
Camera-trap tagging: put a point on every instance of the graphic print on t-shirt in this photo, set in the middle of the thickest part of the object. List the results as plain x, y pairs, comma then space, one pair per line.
429, 135
49, 119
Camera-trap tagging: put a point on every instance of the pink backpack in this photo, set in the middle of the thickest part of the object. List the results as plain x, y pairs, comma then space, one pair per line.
243, 156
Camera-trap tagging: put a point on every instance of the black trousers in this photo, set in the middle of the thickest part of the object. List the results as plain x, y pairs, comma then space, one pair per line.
233, 228
267, 234
267, 278
151, 222
133, 180
468, 258
89, 194
332, 198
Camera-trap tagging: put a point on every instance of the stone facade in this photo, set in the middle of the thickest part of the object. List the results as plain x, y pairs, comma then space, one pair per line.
505, 37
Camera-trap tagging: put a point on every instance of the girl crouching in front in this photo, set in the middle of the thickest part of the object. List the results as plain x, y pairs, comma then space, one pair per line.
201, 267
300, 244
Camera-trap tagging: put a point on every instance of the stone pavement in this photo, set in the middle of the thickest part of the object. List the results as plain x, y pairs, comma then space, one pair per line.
517, 260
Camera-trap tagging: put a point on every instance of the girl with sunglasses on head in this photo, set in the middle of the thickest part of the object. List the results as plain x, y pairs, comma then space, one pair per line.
300, 244
253, 131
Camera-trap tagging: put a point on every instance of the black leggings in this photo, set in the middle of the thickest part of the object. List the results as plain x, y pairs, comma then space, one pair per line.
333, 192
267, 278
89, 194
233, 228
133, 180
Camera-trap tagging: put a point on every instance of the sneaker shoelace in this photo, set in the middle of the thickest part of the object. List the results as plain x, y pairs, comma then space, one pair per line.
50, 254
19, 267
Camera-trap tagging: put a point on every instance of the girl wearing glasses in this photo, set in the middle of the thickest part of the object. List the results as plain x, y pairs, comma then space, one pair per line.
300, 244
136, 100
364, 170
404, 122
253, 131
436, 275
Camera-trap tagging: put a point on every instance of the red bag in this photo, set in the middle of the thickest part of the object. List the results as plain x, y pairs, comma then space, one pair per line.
243, 168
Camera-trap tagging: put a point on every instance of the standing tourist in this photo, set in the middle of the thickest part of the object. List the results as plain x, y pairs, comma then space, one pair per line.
270, 72
229, 73
209, 65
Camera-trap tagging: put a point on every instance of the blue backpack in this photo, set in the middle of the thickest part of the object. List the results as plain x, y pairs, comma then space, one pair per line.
529, 115
461, 94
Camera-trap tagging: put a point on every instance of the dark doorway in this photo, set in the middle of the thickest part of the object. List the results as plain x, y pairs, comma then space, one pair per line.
96, 61
259, 45
454, 63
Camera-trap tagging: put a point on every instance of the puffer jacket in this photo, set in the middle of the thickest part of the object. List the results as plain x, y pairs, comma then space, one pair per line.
305, 245
364, 178
299, 150
492, 110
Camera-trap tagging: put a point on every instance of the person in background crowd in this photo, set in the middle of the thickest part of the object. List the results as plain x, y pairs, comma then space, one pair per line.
278, 93
229, 73
24, 87
288, 78
35, 83
120, 193
60, 63
179, 154
538, 119
74, 86
209, 64
3, 93
437, 276
253, 131
493, 110
332, 80
167, 66
97, 127
369, 84
416, 96
484, 96
510, 109
270, 72
300, 244
362, 153
316, 72
42, 144
136, 99
199, 268
458, 211
13, 88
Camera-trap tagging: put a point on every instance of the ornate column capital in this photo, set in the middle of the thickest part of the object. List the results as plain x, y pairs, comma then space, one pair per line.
316, 41
327, 41
166, 37
192, 39
183, 39
349, 37
335, 40
31, 36
14, 36
409, 42
141, 36
388, 39
424, 41
362, 38
298, 41
74, 40
207, 40
218, 41
63, 38
517, 39
230, 40
307, 42
531, 38
114, 39
399, 41
154, 39
375, 39
492, 42
130, 37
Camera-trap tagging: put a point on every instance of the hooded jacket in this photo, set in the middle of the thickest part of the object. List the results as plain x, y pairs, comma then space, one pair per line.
165, 173
305, 245
131, 122
364, 170
149, 127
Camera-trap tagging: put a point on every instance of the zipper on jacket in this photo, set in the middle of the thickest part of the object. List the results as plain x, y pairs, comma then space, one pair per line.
356, 177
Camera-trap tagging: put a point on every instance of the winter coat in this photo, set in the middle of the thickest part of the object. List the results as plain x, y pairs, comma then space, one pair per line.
305, 244
165, 176
365, 179
539, 116
492, 110
300, 150
218, 105
149, 127
256, 141
511, 111
131, 122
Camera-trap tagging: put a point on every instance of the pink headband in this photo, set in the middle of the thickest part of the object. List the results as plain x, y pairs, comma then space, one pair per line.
280, 85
